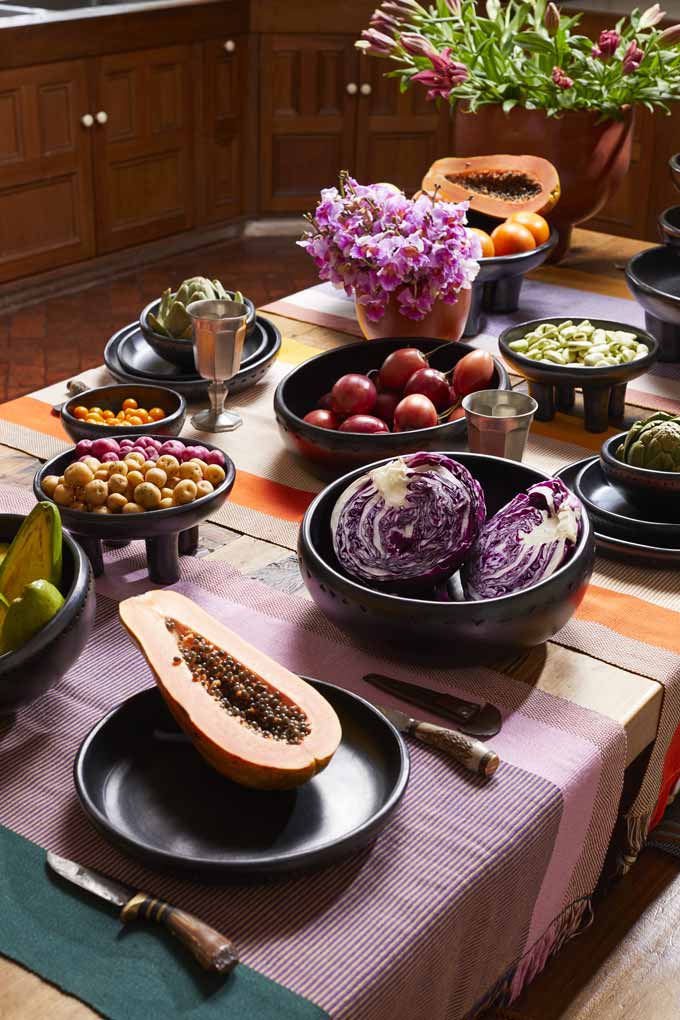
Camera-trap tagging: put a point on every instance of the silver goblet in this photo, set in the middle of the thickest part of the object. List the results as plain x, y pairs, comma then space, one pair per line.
219, 330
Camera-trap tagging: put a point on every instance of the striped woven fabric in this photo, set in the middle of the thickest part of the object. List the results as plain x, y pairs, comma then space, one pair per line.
460, 900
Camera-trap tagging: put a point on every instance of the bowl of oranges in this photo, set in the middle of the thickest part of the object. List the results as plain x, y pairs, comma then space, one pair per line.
130, 410
510, 249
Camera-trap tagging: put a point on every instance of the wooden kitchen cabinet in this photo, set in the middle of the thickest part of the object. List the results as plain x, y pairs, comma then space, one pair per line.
46, 210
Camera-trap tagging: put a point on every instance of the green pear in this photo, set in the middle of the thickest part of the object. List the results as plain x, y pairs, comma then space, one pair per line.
28, 614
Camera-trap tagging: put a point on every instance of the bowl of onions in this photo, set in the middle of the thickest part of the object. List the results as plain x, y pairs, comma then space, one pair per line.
356, 404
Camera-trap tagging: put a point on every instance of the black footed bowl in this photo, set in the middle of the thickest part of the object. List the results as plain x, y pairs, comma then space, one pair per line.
553, 386
653, 278
444, 631
167, 533
31, 670
330, 453
180, 352
110, 398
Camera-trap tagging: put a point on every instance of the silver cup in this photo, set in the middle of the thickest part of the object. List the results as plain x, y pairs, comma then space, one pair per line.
498, 422
219, 331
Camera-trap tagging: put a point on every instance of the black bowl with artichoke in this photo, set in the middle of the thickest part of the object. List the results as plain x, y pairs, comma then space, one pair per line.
645, 462
166, 324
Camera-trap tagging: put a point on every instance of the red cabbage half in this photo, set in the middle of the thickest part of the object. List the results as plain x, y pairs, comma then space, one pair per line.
408, 523
525, 542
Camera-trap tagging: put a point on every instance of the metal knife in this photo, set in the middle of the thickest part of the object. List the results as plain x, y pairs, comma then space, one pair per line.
212, 950
472, 718
471, 753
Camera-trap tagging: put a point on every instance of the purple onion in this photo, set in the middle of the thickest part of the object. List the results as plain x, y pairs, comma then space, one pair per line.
215, 457
84, 446
174, 448
109, 458
102, 446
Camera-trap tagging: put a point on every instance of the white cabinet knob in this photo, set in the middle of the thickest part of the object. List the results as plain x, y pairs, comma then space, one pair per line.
352, 88
101, 117
365, 89
230, 45
87, 120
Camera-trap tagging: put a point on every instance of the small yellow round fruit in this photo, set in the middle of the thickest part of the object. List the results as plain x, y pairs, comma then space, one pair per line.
133, 508
215, 474
102, 473
119, 467
92, 463
204, 488
166, 493
147, 466
190, 469
96, 492
129, 404
134, 455
184, 492
166, 503
63, 495
134, 478
169, 464
156, 476
148, 496
116, 501
103, 509
49, 484
172, 481
78, 474
118, 483
156, 413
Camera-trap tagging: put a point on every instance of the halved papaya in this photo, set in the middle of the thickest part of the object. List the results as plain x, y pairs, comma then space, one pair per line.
248, 716
496, 185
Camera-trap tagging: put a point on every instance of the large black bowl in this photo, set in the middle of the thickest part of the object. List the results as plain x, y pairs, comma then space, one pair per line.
498, 285
656, 491
552, 386
444, 631
167, 533
653, 278
29, 671
180, 352
110, 398
329, 453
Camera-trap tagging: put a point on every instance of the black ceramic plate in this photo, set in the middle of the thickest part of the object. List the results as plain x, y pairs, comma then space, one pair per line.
193, 388
138, 358
147, 789
609, 503
642, 552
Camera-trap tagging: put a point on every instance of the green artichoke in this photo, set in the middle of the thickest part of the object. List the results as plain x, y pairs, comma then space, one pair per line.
173, 319
653, 443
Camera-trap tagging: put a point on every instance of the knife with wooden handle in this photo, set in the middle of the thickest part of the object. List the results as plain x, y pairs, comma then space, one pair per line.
471, 753
211, 949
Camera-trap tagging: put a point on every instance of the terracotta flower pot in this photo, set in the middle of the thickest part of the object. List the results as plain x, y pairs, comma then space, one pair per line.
444, 322
591, 158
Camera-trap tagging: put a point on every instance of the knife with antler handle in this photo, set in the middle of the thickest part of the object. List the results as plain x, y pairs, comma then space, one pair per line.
471, 753
211, 949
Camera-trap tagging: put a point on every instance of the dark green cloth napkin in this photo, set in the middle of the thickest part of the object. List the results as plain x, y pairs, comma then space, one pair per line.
127, 973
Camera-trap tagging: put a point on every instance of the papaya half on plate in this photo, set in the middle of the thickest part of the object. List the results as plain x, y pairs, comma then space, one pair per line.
248, 716
497, 186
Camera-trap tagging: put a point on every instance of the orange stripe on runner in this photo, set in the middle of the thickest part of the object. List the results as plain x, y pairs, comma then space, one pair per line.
271, 498
33, 414
626, 614
569, 429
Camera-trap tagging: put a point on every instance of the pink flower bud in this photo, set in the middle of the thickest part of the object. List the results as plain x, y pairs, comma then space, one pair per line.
562, 80
607, 45
551, 18
669, 37
377, 41
454, 6
416, 45
651, 17
632, 58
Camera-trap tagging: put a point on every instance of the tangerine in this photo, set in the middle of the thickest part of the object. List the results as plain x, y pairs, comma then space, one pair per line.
511, 238
488, 248
537, 225
80, 411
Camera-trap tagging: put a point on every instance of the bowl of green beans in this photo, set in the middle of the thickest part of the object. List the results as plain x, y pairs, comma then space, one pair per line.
561, 356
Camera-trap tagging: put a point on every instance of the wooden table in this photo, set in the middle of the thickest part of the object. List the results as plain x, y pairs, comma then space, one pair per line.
629, 699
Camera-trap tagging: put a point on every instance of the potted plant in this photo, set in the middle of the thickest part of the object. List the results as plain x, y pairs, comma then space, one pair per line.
521, 79
408, 263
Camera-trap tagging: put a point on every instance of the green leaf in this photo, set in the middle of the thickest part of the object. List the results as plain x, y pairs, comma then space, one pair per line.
508, 105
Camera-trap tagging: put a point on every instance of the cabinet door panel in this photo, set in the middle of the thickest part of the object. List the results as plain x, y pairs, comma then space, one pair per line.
626, 211
144, 151
46, 202
307, 118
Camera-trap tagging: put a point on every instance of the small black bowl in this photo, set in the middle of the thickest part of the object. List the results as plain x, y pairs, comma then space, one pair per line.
29, 671
669, 225
657, 491
674, 167
444, 630
552, 386
329, 453
180, 352
499, 282
110, 398
167, 533
653, 278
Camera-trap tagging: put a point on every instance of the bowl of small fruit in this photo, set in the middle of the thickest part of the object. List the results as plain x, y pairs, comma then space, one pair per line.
143, 487
365, 401
130, 410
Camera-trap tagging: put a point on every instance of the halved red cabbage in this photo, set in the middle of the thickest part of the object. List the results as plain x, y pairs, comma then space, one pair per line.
408, 523
525, 542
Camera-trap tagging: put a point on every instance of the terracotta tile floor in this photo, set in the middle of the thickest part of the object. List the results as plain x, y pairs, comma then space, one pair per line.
62, 336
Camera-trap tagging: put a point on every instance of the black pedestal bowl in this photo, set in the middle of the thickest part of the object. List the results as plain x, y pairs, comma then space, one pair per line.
110, 398
180, 352
653, 278
32, 669
449, 631
553, 386
330, 453
167, 533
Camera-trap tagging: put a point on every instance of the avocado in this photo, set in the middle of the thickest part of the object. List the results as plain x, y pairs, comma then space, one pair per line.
28, 614
4, 546
35, 554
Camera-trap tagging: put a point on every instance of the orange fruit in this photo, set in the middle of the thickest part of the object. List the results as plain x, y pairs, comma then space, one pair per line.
96, 410
80, 412
130, 404
488, 249
539, 228
156, 413
511, 238
107, 414
134, 419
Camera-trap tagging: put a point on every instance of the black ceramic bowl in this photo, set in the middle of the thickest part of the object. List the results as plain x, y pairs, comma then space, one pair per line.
167, 533
499, 281
669, 225
444, 630
328, 452
658, 491
653, 278
180, 352
29, 671
110, 398
674, 167
552, 386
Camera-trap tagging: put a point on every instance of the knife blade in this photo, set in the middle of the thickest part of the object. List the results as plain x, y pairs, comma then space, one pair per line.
470, 717
467, 751
211, 949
